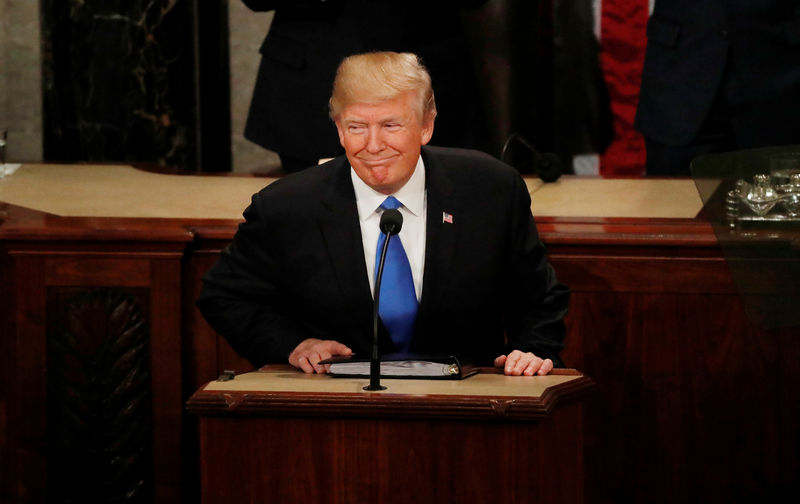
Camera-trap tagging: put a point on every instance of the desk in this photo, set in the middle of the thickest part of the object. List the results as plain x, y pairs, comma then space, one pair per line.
281, 436
698, 402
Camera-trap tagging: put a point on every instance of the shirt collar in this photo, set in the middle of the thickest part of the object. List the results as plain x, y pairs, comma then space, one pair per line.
411, 195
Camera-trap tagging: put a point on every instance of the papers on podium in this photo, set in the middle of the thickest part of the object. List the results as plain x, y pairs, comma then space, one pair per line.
402, 366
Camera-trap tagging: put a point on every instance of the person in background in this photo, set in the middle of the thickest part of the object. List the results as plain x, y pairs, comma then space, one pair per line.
470, 277
718, 76
309, 38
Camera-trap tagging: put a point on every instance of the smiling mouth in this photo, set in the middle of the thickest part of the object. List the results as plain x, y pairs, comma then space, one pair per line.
377, 162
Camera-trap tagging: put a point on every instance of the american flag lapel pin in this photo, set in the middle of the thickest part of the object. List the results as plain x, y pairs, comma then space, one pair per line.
447, 218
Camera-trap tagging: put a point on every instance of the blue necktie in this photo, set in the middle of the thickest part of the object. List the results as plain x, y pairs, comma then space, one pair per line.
398, 301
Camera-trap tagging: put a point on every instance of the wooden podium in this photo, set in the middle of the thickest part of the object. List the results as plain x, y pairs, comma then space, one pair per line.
278, 435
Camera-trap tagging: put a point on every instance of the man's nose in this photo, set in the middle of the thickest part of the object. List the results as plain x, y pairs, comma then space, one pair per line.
375, 141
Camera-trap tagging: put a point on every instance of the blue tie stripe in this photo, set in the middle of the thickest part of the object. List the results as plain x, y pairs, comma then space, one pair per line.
398, 300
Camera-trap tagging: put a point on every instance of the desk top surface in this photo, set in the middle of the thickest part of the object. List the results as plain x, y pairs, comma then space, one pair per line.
281, 390
289, 380
78, 190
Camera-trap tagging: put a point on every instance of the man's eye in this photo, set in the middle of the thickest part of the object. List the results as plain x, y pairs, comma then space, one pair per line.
392, 126
355, 128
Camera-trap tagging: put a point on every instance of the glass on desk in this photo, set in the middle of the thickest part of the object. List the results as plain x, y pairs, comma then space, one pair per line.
782, 167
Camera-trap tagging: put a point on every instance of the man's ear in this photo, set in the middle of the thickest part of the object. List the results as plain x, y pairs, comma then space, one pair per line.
427, 131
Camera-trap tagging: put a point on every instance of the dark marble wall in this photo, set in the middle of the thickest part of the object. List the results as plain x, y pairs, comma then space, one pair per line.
121, 80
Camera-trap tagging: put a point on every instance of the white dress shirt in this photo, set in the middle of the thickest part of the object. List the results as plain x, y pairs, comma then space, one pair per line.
414, 208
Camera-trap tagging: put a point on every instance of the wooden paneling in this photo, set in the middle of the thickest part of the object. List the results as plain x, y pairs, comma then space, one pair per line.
27, 419
99, 395
367, 460
49, 263
165, 341
699, 403
100, 271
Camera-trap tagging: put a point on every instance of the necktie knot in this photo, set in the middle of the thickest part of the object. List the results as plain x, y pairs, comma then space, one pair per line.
390, 203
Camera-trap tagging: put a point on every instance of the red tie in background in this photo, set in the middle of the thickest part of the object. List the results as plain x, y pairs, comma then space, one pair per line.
623, 39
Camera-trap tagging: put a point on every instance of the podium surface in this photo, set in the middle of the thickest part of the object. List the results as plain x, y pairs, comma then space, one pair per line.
282, 436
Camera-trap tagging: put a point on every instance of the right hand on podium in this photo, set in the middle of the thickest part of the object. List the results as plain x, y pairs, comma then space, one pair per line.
309, 352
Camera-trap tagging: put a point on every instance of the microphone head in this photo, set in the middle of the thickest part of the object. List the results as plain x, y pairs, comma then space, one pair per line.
391, 221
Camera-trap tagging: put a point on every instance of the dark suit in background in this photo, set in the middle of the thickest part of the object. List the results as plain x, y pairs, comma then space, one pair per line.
719, 75
296, 270
309, 38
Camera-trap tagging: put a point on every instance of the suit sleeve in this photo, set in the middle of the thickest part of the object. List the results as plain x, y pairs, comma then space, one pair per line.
240, 297
537, 302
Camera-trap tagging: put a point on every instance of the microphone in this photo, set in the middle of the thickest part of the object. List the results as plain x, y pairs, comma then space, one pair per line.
391, 223
546, 166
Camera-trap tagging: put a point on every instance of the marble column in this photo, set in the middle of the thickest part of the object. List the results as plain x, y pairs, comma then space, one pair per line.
20, 80
120, 82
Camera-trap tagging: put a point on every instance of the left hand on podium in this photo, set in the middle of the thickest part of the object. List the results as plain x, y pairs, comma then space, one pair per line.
519, 363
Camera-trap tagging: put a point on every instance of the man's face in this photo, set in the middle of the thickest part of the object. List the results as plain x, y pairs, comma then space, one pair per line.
383, 140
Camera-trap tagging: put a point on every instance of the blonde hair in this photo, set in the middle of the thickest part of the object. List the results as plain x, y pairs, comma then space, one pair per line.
378, 76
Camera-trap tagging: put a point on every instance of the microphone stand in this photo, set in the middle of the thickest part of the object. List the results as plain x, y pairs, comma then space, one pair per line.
375, 359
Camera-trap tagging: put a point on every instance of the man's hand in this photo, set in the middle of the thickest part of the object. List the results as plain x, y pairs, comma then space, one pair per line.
523, 363
308, 353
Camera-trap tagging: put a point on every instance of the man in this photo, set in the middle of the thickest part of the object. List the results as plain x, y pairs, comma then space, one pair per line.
718, 76
296, 282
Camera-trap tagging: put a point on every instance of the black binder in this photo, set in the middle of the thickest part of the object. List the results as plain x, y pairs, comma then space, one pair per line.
406, 366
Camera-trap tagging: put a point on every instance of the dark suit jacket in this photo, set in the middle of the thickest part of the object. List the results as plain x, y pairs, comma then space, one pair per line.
696, 46
309, 38
296, 267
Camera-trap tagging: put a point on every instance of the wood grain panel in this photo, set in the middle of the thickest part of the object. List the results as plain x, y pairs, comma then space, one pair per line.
165, 328
697, 403
98, 271
28, 384
99, 401
352, 460
643, 274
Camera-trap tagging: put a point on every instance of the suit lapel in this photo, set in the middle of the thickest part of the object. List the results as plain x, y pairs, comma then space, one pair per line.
341, 231
441, 233
339, 225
